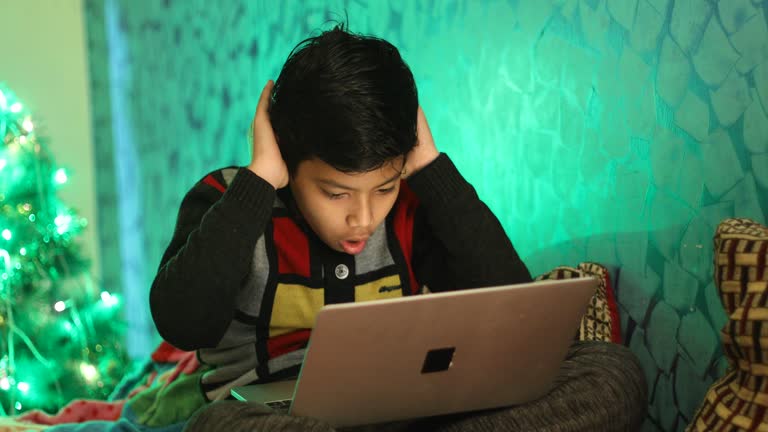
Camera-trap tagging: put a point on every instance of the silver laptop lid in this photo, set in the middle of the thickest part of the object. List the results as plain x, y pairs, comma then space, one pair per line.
439, 353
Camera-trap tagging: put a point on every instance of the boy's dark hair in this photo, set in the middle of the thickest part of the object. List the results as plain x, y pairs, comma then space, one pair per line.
346, 99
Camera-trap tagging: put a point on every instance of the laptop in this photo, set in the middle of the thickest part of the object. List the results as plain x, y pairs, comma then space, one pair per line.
431, 354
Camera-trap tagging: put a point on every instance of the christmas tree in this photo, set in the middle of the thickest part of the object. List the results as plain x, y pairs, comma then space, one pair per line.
60, 335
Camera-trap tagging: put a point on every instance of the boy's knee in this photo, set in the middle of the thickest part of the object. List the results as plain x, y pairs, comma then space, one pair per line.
610, 369
597, 357
234, 416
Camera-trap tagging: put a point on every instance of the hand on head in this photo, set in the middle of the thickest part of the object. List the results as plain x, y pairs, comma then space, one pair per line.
267, 162
425, 150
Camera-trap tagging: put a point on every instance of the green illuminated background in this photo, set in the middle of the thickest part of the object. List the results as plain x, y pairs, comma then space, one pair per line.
616, 131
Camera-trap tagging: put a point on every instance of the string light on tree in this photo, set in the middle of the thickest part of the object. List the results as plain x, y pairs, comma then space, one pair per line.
60, 334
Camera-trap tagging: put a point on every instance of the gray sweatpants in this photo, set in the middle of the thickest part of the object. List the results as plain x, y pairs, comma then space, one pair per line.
600, 387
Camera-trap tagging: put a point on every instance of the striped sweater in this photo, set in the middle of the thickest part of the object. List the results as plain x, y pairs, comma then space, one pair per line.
243, 277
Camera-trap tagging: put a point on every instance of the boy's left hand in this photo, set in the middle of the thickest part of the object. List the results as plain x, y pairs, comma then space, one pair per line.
425, 151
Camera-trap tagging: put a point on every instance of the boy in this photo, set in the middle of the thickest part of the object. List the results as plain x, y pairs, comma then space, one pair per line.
346, 199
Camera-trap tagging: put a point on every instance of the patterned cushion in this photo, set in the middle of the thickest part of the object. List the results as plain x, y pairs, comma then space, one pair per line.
739, 400
601, 322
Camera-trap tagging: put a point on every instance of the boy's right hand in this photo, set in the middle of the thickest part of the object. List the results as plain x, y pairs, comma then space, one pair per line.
267, 162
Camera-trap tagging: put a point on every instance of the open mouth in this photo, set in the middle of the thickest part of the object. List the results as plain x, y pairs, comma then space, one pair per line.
353, 247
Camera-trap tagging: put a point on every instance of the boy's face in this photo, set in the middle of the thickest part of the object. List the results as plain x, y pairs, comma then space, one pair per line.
344, 209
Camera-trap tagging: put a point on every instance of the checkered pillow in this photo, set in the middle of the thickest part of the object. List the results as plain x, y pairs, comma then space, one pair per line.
601, 321
739, 400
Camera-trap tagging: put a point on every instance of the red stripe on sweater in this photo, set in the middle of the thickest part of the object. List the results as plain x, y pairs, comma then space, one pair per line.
404, 215
211, 181
283, 344
292, 247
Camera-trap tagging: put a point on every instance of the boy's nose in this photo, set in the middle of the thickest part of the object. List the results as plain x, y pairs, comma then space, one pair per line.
361, 216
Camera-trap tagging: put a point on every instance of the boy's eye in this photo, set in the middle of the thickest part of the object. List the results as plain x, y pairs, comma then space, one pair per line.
386, 190
334, 196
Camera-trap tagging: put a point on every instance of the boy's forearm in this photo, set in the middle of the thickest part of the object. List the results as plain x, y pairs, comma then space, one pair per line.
477, 251
193, 295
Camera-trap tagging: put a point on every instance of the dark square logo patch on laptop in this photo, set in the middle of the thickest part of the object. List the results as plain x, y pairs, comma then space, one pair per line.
438, 360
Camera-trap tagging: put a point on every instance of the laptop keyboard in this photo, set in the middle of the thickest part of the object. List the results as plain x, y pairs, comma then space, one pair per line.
281, 406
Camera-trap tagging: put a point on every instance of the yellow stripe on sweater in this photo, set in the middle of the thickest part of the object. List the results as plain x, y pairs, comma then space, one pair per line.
295, 307
384, 288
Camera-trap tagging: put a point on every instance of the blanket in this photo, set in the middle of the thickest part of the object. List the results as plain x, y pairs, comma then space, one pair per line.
159, 397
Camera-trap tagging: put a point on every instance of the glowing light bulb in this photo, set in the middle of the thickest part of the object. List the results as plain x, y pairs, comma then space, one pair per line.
28, 125
59, 306
5, 384
7, 234
23, 387
60, 176
89, 371
108, 299
23, 251
17, 406
62, 223
15, 108
3, 163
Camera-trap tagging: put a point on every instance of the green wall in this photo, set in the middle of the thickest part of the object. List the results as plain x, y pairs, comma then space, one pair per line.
57, 97
617, 131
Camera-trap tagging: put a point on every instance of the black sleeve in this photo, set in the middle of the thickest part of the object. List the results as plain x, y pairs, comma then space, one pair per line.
193, 295
458, 242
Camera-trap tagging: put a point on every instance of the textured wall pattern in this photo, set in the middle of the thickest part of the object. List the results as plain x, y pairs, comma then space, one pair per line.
619, 131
